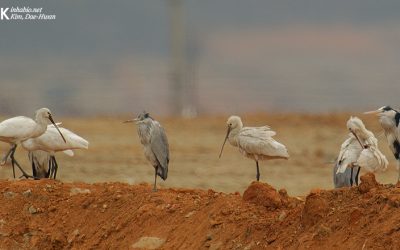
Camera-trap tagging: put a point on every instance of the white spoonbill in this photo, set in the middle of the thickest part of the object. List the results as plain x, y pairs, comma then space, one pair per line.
349, 153
389, 119
18, 129
52, 143
254, 142
368, 155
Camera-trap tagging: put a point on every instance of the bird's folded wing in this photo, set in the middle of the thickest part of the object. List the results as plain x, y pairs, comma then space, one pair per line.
349, 153
261, 145
17, 127
372, 160
159, 144
257, 132
371, 141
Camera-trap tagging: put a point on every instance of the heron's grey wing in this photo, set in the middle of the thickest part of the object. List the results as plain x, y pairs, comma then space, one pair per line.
349, 153
159, 145
263, 145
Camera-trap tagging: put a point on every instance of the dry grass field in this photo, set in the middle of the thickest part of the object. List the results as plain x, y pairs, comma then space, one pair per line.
115, 153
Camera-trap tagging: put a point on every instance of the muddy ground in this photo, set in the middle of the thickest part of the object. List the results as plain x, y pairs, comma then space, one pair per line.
49, 214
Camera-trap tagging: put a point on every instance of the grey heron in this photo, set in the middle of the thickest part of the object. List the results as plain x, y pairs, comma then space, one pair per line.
155, 144
254, 142
389, 119
18, 129
51, 143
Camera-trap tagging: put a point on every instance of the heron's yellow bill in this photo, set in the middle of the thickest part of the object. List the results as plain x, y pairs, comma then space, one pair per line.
372, 112
131, 120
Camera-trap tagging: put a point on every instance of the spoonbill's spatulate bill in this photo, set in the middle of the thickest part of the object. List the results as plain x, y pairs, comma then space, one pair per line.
254, 142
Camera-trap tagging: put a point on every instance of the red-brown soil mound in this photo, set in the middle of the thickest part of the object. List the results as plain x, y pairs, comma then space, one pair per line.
49, 214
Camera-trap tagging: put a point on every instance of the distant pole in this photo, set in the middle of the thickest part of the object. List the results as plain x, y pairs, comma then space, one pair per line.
177, 36
190, 101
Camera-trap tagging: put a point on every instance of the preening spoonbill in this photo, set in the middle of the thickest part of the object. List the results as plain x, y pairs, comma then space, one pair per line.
366, 154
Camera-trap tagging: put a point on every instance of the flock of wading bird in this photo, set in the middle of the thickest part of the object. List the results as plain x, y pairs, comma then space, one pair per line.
42, 140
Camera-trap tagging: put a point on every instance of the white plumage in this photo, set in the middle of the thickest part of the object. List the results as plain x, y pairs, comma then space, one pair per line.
349, 153
18, 129
51, 143
360, 149
372, 160
254, 142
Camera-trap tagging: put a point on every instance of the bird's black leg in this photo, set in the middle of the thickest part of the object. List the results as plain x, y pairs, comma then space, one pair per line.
358, 171
155, 180
34, 172
55, 167
351, 177
258, 172
11, 154
48, 173
4, 160
51, 167
14, 162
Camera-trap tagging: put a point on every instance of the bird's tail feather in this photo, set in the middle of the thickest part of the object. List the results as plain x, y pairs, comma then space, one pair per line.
162, 172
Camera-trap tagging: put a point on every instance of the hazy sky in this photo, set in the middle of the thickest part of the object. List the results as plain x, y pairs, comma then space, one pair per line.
112, 57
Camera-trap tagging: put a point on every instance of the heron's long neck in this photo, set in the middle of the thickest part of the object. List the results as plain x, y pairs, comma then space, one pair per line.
387, 123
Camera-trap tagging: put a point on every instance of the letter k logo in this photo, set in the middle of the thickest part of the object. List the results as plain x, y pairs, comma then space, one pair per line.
3, 13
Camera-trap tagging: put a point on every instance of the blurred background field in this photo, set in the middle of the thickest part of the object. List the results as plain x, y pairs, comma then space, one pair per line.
201, 57
115, 153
